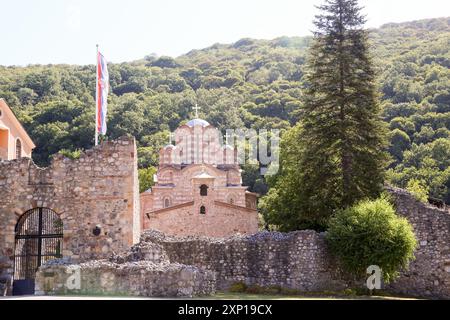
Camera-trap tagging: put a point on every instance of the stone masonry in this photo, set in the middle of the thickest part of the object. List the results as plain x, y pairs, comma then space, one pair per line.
300, 260
98, 189
429, 274
297, 260
142, 271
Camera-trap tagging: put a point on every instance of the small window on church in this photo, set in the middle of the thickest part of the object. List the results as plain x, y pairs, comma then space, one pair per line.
204, 190
202, 210
166, 203
18, 149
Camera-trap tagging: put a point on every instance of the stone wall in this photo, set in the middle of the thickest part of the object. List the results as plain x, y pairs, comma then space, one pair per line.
297, 260
141, 278
429, 274
99, 188
144, 270
300, 260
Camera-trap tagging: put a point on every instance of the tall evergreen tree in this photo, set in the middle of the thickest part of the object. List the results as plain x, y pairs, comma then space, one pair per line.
340, 153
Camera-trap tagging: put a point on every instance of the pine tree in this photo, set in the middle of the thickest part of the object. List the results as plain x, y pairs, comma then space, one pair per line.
341, 139
344, 133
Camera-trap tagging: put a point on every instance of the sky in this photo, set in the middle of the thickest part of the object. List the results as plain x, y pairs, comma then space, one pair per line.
67, 31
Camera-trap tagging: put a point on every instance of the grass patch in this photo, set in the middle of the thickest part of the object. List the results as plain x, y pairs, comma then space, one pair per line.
240, 290
322, 296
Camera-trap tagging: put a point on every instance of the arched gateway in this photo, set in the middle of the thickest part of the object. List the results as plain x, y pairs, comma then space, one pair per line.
39, 238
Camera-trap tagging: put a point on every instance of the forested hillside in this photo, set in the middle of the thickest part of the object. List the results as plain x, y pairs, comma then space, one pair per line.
253, 84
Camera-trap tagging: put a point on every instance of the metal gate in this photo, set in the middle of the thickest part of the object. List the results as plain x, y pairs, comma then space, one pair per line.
39, 238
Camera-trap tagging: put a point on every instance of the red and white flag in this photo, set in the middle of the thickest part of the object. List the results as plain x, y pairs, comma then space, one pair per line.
102, 94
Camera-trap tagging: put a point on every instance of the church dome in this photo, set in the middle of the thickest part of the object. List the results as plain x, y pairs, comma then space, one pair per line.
198, 122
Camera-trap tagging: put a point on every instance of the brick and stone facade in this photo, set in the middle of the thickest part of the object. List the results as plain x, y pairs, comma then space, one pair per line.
298, 260
177, 205
101, 188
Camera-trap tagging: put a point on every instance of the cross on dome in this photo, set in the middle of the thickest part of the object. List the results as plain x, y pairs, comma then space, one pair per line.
197, 121
228, 135
171, 137
196, 108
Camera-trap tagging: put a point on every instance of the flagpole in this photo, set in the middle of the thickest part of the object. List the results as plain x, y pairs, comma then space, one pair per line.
96, 101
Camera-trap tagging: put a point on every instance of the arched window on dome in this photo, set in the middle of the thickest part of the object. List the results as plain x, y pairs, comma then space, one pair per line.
202, 210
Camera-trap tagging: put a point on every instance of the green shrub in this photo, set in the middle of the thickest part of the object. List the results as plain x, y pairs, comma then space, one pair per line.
71, 154
418, 190
370, 233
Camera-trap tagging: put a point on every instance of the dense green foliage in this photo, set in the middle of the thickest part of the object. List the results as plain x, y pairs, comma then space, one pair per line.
416, 93
371, 233
341, 145
251, 83
146, 178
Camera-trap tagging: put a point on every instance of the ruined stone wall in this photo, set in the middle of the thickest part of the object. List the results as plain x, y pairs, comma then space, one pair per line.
298, 260
429, 274
143, 278
99, 188
144, 270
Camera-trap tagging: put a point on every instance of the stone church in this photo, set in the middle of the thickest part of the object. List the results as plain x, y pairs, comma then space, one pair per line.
198, 187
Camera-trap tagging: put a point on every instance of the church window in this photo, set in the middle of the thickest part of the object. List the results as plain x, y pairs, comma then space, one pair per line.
202, 210
18, 149
204, 190
166, 202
